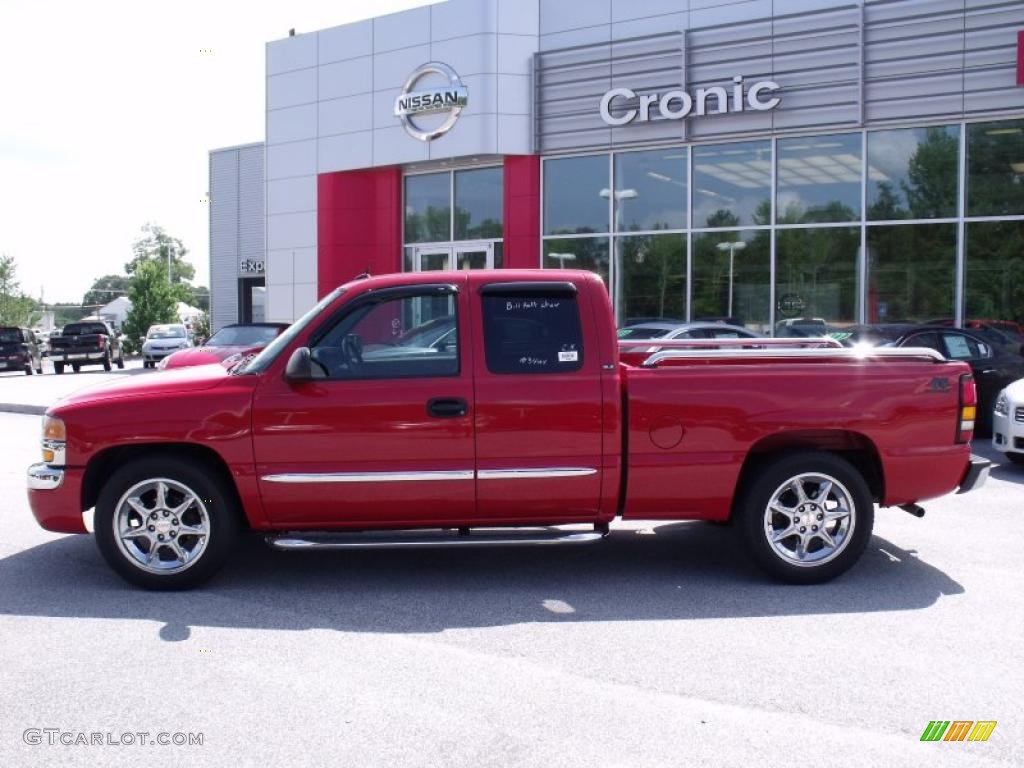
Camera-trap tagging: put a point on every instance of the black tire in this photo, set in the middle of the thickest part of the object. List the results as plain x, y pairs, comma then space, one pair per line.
106, 362
76, 367
222, 522
120, 360
58, 368
145, 364
39, 370
777, 481
28, 369
1016, 458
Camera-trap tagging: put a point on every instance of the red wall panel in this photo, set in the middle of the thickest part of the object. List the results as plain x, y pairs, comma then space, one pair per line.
522, 211
359, 225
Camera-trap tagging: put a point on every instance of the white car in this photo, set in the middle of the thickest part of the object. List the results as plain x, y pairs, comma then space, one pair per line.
162, 340
1008, 422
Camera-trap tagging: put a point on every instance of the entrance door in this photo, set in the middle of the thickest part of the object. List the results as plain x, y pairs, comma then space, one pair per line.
460, 256
431, 258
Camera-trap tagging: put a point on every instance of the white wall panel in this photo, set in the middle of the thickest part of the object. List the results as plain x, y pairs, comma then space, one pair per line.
514, 93
401, 30
346, 115
291, 124
515, 54
280, 266
291, 53
279, 304
473, 55
346, 42
305, 265
457, 18
345, 78
519, 17
390, 70
561, 15
291, 89
297, 158
394, 145
346, 151
291, 230
473, 134
304, 298
291, 195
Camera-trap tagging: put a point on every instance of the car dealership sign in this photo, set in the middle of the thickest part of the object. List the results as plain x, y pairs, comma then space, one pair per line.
448, 99
678, 104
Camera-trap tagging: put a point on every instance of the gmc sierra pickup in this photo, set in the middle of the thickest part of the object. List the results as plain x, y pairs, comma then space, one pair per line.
491, 407
86, 343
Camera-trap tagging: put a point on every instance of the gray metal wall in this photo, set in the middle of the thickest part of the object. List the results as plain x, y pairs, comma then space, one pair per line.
237, 224
840, 65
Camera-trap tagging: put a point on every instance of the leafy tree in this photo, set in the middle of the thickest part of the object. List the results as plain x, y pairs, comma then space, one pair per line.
154, 246
201, 328
15, 307
105, 289
153, 300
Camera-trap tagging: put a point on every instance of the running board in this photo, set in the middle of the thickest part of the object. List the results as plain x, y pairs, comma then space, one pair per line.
448, 537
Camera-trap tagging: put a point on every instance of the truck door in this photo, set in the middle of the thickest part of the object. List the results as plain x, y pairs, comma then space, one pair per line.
538, 403
384, 435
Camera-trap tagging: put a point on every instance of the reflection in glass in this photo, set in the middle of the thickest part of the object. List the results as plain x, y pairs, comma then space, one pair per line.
994, 288
732, 276
478, 204
911, 273
732, 184
651, 277
912, 173
573, 202
428, 208
816, 279
589, 253
995, 168
650, 190
819, 179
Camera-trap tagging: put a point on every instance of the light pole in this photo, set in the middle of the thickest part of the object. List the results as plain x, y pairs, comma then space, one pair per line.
170, 249
562, 258
739, 245
618, 195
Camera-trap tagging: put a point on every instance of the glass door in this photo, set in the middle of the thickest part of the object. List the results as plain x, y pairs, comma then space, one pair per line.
469, 255
432, 258
474, 256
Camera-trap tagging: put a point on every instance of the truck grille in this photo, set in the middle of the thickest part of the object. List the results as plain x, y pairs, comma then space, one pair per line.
1018, 414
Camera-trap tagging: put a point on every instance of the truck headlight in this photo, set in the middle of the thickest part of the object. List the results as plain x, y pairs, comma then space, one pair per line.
54, 440
1002, 407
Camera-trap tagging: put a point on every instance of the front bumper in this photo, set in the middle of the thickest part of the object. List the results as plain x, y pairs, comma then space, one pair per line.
976, 474
156, 355
1007, 432
14, 365
55, 496
79, 357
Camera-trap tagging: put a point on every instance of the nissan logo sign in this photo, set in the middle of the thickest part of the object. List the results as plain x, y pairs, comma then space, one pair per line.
448, 99
675, 105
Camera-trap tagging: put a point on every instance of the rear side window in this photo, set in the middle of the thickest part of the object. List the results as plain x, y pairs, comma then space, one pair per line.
532, 329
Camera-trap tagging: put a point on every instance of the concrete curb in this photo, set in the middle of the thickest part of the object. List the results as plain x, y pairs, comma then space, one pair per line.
31, 410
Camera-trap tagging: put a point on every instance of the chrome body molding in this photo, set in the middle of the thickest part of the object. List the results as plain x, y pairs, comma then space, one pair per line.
427, 539
369, 477
44, 478
537, 473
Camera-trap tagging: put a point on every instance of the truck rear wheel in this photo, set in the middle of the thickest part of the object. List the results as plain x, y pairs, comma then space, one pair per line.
106, 362
76, 367
120, 359
163, 523
58, 367
806, 517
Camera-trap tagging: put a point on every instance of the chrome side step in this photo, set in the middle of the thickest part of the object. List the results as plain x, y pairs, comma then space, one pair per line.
444, 537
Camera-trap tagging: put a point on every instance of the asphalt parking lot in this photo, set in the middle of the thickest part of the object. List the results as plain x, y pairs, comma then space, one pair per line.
659, 646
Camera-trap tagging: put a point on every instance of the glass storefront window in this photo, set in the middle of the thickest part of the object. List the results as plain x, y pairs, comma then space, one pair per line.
994, 286
590, 253
911, 273
819, 179
651, 277
732, 277
912, 173
428, 208
995, 168
478, 204
732, 184
576, 193
650, 190
816, 279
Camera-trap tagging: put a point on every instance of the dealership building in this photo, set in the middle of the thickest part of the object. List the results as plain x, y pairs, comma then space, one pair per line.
765, 160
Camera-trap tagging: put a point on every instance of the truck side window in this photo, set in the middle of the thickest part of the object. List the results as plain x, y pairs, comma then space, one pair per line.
407, 337
532, 333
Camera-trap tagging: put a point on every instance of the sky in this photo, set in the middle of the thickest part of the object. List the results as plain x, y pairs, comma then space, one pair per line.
108, 111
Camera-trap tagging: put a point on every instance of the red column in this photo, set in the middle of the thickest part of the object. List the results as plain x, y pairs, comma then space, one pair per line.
1020, 58
359, 225
522, 211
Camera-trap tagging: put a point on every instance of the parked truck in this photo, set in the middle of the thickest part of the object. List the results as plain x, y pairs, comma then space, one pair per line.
89, 342
515, 420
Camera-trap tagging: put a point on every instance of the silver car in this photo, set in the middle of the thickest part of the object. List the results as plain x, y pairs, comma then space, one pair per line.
162, 340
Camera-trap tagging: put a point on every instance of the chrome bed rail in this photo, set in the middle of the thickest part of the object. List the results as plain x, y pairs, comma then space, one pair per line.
835, 353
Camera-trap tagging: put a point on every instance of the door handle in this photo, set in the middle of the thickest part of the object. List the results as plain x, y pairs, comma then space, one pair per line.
447, 407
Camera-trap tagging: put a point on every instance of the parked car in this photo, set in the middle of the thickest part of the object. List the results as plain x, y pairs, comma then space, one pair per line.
89, 342
19, 350
228, 345
530, 420
802, 327
161, 341
999, 331
1008, 422
664, 331
994, 365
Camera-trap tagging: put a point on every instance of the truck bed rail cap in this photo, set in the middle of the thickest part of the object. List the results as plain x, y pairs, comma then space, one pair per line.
842, 354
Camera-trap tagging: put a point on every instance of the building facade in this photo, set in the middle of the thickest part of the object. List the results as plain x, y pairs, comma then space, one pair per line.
767, 160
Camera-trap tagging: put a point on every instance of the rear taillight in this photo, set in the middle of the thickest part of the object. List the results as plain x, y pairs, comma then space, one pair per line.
99, 342
968, 410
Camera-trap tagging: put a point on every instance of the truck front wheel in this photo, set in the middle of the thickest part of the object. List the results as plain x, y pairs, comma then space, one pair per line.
806, 517
163, 523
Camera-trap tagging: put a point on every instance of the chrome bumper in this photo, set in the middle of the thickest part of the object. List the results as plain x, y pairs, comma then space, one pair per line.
44, 478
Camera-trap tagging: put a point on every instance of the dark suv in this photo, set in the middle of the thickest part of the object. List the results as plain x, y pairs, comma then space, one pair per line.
19, 350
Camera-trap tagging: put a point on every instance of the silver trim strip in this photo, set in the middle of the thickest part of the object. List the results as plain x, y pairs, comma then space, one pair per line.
839, 354
369, 477
534, 474
483, 539
44, 478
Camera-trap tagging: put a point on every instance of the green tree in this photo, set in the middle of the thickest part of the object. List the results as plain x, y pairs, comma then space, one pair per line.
105, 289
153, 300
201, 328
156, 245
15, 307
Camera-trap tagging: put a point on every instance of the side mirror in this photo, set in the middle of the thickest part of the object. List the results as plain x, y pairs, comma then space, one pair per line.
300, 367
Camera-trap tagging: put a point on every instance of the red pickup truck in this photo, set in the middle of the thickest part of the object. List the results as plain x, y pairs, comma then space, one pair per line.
492, 407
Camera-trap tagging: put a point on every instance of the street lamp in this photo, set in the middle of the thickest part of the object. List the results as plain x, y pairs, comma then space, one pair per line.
739, 245
562, 258
170, 249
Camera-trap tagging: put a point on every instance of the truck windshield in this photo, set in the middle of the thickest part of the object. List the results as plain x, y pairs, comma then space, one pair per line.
259, 363
171, 332
242, 335
10, 336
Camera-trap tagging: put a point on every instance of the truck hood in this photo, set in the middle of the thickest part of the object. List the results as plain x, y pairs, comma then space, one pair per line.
143, 385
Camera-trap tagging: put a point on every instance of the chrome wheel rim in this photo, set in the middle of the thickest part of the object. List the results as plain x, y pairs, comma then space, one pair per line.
161, 526
809, 519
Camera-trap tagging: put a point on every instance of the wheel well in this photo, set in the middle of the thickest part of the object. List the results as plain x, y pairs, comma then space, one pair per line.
852, 446
108, 461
